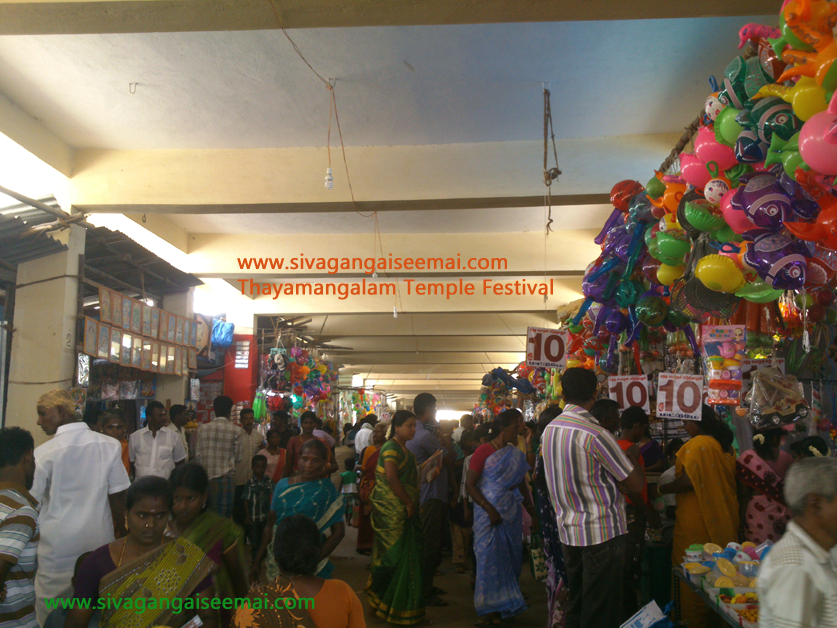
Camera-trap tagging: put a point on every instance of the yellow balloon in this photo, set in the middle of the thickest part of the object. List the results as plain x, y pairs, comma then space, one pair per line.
806, 97
719, 273
667, 275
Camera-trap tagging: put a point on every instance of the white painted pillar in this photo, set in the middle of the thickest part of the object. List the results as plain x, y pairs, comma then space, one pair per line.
44, 338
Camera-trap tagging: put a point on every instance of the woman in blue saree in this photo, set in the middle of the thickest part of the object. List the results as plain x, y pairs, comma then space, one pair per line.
309, 494
496, 481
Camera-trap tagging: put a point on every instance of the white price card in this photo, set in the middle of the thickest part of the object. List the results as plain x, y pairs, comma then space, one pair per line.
546, 348
679, 396
630, 390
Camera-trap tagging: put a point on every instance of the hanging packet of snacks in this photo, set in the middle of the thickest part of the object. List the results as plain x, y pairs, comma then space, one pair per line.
776, 399
723, 350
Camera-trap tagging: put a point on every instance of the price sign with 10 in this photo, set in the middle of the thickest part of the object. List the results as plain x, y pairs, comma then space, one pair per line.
546, 348
630, 390
679, 396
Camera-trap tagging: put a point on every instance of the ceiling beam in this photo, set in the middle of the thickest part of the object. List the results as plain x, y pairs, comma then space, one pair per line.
145, 16
495, 202
466, 176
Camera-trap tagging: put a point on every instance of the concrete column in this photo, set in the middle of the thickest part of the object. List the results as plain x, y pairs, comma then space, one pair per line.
172, 389
44, 339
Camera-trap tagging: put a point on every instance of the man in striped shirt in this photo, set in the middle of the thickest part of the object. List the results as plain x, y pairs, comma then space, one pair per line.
586, 473
19, 533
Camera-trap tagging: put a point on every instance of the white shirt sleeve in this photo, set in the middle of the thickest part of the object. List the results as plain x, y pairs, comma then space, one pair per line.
178, 451
791, 598
199, 445
239, 445
132, 448
118, 479
40, 485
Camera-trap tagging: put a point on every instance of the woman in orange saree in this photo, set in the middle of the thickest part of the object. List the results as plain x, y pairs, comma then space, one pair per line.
369, 457
707, 500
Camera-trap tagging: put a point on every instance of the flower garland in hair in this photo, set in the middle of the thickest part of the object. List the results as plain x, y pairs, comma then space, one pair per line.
815, 451
759, 438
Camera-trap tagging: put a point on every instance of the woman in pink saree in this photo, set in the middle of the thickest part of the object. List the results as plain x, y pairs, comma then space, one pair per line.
761, 472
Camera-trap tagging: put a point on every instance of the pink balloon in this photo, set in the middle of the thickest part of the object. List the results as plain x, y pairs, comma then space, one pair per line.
736, 218
818, 140
693, 171
709, 150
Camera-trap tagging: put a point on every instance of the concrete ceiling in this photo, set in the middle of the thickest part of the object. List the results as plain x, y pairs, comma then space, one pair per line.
396, 85
221, 148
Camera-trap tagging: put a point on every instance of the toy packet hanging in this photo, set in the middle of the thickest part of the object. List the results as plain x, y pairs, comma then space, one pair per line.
724, 349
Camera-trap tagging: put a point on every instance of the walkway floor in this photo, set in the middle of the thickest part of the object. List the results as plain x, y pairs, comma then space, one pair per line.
352, 567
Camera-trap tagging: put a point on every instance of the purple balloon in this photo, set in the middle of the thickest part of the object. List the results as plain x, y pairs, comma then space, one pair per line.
779, 260
649, 268
616, 322
618, 243
802, 203
764, 201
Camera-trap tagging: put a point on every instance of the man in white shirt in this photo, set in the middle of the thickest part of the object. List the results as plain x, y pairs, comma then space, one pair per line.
251, 443
364, 434
798, 578
155, 449
180, 416
80, 482
466, 422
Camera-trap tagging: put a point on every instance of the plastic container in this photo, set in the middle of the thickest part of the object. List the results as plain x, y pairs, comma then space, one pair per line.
749, 568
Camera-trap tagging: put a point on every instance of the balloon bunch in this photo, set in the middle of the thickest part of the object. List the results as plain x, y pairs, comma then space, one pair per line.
546, 381
363, 401
750, 215
307, 377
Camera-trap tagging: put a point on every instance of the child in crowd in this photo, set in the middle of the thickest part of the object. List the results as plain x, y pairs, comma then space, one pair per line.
348, 481
257, 495
112, 423
274, 454
667, 476
56, 617
481, 436
606, 412
460, 514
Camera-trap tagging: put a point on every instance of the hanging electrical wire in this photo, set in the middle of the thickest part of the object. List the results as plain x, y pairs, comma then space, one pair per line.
549, 174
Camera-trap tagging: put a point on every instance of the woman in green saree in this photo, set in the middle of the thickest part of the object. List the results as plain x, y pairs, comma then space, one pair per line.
307, 493
128, 570
220, 538
394, 590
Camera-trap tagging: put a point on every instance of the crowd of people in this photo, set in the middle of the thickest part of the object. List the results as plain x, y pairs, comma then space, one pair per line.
92, 516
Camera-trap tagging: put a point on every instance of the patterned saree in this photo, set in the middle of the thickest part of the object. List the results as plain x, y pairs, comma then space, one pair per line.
499, 549
394, 589
173, 570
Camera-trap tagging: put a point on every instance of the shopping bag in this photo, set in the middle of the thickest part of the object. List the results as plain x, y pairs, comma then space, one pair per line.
537, 559
650, 616
222, 333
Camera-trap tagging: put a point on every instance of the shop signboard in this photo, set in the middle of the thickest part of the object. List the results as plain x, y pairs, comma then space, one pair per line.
679, 396
630, 390
546, 348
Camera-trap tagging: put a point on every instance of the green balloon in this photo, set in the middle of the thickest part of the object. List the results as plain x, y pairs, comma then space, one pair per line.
655, 188
726, 127
628, 293
831, 316
677, 319
651, 311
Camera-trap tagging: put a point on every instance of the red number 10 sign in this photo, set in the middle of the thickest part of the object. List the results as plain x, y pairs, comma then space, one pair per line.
546, 348
679, 396
629, 390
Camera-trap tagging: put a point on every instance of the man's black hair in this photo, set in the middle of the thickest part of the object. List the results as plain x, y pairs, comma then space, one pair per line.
15, 442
